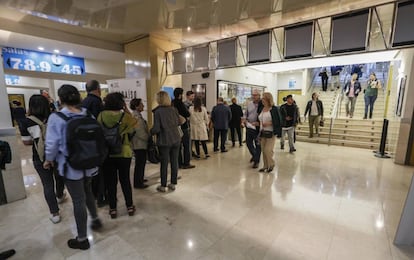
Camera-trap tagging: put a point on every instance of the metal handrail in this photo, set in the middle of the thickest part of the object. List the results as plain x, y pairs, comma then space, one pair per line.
334, 114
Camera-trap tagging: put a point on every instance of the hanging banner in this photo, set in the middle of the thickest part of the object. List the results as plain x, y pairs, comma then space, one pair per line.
130, 88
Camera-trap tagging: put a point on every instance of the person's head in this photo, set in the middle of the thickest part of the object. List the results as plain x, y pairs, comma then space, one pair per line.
220, 100
372, 76
136, 104
197, 104
315, 96
163, 99
178, 93
114, 101
39, 107
190, 95
69, 95
45, 93
93, 86
267, 99
354, 77
289, 99
234, 100
17, 103
255, 95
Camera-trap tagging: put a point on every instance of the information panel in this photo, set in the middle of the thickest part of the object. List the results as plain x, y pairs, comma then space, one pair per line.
258, 47
403, 33
21, 59
298, 41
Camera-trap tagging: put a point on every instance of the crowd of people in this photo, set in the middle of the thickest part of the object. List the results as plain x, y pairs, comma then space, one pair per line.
178, 127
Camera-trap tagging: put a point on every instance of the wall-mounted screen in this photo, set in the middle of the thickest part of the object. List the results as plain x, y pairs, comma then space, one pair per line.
403, 32
226, 53
201, 57
258, 47
349, 32
298, 41
179, 61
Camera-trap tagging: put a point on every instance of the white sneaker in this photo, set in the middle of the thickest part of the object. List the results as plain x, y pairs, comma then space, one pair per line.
62, 199
55, 219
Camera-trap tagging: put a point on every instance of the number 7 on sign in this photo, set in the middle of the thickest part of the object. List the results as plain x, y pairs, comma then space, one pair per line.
16, 63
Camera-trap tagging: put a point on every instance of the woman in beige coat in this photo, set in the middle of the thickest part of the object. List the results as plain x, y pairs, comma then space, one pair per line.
199, 123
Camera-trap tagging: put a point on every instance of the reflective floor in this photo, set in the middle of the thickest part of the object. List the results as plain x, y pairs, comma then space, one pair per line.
320, 203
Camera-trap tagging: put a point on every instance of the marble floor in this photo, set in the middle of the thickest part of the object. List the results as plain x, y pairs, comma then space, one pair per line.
323, 202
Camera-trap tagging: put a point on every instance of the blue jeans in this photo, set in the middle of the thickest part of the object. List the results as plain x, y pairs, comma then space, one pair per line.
369, 102
253, 144
169, 154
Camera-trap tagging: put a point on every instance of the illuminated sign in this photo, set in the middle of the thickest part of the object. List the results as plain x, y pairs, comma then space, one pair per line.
21, 59
12, 79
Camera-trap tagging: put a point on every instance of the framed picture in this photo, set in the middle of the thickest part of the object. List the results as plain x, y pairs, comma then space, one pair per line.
200, 91
401, 91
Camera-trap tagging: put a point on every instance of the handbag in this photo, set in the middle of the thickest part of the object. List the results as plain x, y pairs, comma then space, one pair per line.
152, 151
321, 123
266, 134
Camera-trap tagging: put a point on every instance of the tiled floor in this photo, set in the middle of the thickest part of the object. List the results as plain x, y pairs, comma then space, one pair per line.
320, 203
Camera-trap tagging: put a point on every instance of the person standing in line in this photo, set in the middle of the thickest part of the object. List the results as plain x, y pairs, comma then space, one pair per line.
18, 113
351, 90
199, 123
289, 119
166, 123
220, 116
371, 94
254, 108
189, 99
139, 143
270, 126
78, 182
324, 79
185, 153
33, 132
315, 109
118, 165
235, 122
93, 103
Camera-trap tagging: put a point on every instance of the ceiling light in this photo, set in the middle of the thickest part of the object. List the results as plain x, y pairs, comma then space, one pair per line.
136, 63
187, 55
56, 51
70, 53
40, 48
188, 28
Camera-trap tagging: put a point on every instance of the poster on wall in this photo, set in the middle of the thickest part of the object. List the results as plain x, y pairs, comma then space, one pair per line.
130, 88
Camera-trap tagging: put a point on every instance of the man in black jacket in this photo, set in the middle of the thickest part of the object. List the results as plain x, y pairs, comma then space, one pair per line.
93, 103
235, 122
184, 154
315, 110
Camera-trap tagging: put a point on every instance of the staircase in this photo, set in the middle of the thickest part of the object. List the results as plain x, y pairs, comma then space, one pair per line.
352, 132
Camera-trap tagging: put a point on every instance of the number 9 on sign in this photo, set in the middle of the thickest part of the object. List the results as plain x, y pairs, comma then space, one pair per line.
45, 66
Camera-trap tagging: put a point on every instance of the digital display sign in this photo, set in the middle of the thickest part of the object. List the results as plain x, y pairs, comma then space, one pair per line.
21, 59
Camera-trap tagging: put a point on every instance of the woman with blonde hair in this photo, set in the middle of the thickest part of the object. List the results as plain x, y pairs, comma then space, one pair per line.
166, 123
270, 125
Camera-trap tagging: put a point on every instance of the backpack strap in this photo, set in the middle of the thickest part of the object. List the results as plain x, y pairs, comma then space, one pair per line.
43, 137
117, 123
63, 116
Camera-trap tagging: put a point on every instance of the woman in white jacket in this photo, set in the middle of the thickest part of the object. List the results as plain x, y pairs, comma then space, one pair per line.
199, 123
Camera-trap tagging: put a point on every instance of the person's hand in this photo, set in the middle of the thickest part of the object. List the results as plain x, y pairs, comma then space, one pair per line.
47, 165
288, 118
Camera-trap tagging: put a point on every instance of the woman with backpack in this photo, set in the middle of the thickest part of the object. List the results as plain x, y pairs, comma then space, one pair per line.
77, 181
116, 116
33, 132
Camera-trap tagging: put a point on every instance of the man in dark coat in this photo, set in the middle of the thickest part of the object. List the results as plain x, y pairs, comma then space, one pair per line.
235, 122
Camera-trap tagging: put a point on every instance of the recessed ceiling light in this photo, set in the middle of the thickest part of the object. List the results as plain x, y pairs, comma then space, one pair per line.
56, 51
188, 28
136, 63
40, 48
70, 53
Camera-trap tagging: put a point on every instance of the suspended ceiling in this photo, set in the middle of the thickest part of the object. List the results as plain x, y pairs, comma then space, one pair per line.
109, 24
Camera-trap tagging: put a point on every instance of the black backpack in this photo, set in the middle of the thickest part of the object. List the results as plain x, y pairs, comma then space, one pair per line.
113, 137
85, 142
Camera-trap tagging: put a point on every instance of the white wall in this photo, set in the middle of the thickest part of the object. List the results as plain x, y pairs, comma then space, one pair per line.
293, 80
211, 89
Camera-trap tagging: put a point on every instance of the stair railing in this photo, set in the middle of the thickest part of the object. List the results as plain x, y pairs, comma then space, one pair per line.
335, 113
